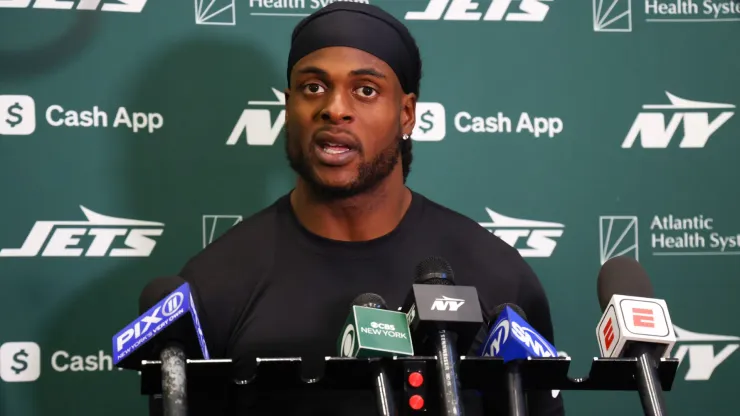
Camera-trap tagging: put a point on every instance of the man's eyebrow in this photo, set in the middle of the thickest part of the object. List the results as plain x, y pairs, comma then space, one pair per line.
313, 70
368, 71
322, 73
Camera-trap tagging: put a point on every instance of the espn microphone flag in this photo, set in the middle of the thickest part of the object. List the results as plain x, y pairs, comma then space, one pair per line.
372, 332
628, 319
512, 338
154, 321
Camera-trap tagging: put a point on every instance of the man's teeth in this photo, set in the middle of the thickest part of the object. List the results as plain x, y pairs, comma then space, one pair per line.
334, 149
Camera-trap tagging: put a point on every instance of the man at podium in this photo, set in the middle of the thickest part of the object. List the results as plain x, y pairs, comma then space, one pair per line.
280, 283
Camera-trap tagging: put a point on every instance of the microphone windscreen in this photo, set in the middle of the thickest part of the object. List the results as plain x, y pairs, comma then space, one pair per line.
500, 308
434, 270
370, 300
157, 289
622, 276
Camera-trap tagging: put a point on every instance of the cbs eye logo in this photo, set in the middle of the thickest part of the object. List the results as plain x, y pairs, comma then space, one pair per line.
348, 341
376, 325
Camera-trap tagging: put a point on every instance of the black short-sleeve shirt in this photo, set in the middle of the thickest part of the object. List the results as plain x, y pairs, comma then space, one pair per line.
270, 288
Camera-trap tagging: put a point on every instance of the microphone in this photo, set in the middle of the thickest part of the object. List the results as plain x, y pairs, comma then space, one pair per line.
635, 325
513, 339
168, 322
372, 330
444, 319
164, 331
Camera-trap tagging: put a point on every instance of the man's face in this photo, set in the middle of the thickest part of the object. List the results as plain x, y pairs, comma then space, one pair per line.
345, 115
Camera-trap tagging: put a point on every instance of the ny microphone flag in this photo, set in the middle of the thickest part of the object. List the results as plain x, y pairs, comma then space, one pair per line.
430, 308
512, 338
159, 317
373, 332
629, 319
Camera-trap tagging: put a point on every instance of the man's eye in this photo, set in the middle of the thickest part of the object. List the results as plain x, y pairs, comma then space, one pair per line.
366, 91
313, 88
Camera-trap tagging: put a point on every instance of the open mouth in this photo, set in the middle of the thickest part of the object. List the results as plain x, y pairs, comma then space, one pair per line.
334, 148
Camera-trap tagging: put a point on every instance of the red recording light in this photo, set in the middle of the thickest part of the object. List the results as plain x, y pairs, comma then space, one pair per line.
416, 379
416, 402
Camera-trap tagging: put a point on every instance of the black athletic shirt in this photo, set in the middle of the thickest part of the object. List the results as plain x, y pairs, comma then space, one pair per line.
270, 288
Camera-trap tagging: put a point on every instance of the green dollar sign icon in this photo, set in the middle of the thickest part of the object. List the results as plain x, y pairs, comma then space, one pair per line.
15, 115
20, 359
427, 121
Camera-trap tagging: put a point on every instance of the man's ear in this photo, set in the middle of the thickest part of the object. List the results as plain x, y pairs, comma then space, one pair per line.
408, 113
287, 96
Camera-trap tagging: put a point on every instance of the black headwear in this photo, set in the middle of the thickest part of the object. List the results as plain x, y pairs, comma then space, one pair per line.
360, 26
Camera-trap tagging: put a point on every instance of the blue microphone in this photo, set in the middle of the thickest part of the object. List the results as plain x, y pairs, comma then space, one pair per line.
168, 329
172, 322
513, 339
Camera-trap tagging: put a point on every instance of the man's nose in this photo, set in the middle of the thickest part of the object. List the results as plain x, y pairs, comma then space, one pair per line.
337, 109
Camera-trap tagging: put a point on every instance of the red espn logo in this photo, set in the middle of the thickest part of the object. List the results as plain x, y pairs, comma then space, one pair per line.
608, 334
640, 318
643, 318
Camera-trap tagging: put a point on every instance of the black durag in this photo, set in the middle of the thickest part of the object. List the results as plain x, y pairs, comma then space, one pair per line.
364, 27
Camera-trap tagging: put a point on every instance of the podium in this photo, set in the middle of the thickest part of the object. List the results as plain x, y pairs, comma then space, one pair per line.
485, 374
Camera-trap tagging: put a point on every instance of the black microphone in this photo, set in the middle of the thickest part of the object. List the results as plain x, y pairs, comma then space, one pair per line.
635, 325
444, 319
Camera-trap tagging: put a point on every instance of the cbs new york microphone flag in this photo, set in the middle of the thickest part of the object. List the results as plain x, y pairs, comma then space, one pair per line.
371, 332
512, 338
155, 320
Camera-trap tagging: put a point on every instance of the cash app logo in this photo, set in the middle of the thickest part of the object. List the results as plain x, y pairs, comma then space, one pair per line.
426, 123
430, 122
20, 361
17, 115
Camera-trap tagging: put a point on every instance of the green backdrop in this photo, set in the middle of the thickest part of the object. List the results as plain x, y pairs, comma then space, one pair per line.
134, 132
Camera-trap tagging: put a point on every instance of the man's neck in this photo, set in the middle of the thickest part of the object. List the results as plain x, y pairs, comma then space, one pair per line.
359, 218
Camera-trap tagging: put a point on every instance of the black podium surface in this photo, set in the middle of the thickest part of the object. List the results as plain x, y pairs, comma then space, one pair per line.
478, 373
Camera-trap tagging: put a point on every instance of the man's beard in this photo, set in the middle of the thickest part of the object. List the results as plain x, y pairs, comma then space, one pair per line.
369, 173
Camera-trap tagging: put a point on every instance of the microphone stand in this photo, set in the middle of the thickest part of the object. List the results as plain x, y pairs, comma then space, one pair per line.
651, 393
646, 376
383, 391
174, 381
514, 386
447, 363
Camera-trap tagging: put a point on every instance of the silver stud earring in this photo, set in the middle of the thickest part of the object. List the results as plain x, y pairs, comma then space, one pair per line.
405, 136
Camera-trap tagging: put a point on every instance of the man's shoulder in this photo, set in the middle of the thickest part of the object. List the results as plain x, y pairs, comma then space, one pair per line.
489, 262
247, 241
463, 230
